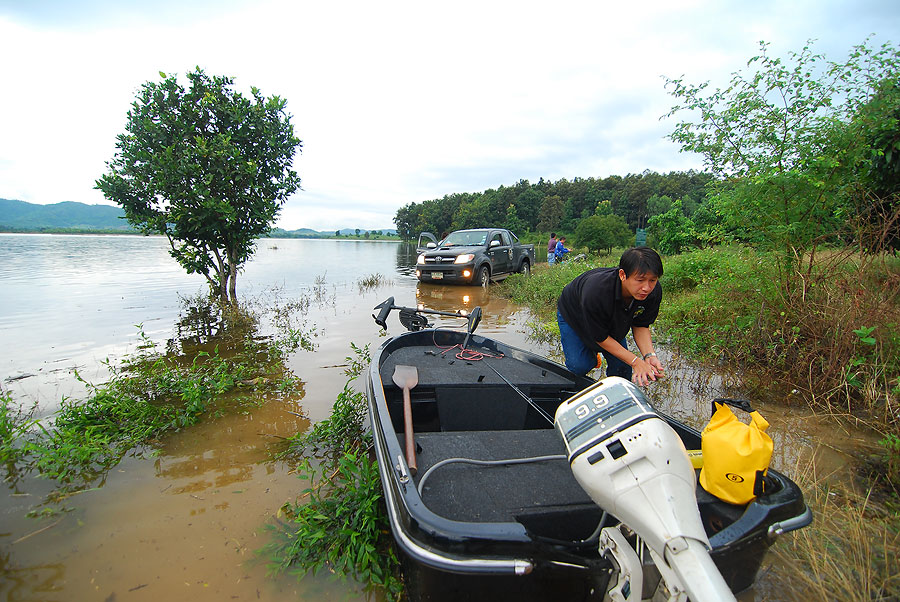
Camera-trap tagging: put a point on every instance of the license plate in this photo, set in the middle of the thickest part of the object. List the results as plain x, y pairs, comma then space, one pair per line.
437, 275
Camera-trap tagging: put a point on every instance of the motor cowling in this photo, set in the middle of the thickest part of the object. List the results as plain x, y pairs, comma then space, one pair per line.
635, 466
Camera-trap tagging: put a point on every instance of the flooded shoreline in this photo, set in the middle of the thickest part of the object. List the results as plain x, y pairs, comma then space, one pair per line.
185, 519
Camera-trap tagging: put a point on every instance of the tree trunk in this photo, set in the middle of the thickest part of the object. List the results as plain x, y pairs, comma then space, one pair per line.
232, 283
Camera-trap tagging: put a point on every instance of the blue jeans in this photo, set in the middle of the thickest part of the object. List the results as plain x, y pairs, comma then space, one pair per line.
581, 360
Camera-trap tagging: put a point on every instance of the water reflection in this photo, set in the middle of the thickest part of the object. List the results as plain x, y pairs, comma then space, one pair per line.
406, 259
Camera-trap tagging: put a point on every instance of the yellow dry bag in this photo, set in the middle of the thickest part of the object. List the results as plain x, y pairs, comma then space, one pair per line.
736, 455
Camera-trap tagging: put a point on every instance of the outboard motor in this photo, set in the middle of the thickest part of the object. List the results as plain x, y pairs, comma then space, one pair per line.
634, 466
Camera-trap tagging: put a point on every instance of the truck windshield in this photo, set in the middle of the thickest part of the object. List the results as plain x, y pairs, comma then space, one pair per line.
465, 238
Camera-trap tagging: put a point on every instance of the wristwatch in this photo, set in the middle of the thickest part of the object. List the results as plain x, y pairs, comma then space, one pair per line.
651, 354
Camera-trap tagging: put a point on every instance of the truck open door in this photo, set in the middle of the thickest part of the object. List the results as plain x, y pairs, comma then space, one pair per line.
426, 241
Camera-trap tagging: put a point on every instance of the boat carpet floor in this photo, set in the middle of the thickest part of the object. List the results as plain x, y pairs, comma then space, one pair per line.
472, 493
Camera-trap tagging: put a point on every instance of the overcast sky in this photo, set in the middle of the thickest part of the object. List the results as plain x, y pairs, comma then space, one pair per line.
395, 102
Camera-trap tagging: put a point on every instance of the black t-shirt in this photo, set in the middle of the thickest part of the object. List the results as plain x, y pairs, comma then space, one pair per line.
592, 305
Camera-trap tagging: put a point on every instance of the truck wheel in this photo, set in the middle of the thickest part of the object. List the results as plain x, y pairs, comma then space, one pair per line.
484, 276
525, 270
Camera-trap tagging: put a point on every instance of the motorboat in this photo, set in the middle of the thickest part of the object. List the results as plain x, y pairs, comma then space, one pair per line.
506, 476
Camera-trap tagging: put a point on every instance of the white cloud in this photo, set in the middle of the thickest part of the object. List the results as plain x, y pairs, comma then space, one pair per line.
395, 102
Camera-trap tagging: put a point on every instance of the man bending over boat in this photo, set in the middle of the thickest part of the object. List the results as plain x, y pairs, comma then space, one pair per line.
596, 310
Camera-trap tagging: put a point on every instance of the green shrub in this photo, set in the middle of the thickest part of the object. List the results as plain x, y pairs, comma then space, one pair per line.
14, 427
342, 526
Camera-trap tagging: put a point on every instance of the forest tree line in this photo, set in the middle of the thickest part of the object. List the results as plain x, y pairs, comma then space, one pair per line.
549, 206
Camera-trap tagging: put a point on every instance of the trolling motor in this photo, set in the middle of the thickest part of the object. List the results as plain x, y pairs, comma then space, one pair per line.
634, 466
414, 319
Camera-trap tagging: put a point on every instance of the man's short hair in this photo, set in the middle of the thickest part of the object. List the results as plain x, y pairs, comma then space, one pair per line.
641, 260
553, 235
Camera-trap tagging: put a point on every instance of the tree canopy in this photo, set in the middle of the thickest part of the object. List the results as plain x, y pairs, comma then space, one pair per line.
792, 141
205, 166
603, 232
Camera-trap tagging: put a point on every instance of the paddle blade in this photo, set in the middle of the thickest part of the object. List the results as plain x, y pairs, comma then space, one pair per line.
406, 377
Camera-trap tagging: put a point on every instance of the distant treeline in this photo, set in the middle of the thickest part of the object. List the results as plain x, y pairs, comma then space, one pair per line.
345, 233
549, 206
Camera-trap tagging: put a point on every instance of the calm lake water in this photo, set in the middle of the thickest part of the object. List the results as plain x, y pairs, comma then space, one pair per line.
72, 301
184, 522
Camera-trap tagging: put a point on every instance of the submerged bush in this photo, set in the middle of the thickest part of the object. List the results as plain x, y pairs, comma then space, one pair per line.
339, 524
14, 425
155, 391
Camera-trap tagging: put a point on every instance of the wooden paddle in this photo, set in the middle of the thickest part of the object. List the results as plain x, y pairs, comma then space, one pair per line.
407, 377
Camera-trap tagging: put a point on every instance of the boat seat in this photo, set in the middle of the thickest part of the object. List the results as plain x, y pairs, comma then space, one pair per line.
507, 493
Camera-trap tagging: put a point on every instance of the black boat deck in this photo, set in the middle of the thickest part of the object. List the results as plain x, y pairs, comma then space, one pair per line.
464, 395
463, 409
520, 492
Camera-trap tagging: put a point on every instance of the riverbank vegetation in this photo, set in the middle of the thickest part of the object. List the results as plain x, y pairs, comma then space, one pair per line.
218, 363
787, 272
339, 523
720, 307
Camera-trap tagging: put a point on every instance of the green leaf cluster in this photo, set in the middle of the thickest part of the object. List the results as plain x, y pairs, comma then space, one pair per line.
603, 232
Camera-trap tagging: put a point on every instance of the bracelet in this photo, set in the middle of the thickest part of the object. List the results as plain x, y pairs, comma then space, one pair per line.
636, 358
651, 354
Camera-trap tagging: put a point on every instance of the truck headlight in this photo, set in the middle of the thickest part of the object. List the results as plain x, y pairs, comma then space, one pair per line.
421, 259
464, 258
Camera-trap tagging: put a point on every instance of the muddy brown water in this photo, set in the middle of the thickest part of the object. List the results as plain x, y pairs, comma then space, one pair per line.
183, 521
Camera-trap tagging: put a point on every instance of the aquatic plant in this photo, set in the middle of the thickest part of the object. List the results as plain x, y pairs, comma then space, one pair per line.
14, 425
339, 523
372, 281
154, 391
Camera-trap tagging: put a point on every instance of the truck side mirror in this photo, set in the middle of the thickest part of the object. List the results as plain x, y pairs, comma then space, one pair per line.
495, 243
431, 245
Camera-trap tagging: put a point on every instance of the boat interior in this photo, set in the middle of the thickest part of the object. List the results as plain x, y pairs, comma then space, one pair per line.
462, 408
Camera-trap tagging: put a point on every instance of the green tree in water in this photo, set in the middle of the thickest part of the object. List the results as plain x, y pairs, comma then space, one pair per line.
207, 167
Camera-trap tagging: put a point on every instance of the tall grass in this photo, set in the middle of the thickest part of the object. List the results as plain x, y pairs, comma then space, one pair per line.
15, 423
831, 333
851, 552
541, 289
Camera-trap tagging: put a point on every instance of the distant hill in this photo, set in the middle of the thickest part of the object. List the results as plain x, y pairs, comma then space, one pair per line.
19, 216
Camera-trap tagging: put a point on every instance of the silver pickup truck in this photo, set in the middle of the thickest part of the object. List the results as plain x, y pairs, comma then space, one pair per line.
472, 257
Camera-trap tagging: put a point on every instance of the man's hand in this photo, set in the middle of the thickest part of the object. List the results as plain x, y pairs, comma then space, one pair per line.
644, 371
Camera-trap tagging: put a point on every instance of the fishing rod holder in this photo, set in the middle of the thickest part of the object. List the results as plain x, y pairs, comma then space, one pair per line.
415, 318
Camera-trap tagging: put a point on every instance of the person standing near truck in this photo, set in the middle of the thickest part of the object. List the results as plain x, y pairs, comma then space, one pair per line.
551, 249
597, 309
